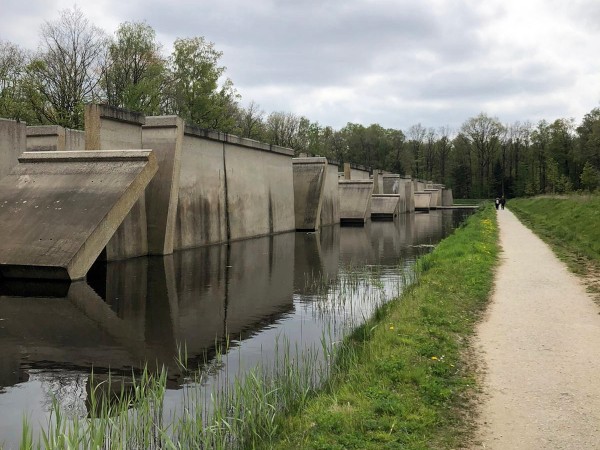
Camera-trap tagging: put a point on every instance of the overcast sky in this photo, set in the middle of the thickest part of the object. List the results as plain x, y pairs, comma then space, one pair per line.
392, 62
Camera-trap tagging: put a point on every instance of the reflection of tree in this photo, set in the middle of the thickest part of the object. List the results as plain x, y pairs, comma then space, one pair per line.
68, 388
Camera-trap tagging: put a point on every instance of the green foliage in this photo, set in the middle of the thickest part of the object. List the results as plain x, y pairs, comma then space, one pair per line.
590, 177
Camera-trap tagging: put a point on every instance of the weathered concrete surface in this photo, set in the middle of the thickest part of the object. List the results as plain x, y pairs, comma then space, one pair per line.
409, 194
47, 138
12, 144
310, 176
447, 198
355, 200
422, 201
164, 135
358, 172
260, 191
391, 183
330, 211
436, 198
202, 201
61, 208
108, 128
384, 206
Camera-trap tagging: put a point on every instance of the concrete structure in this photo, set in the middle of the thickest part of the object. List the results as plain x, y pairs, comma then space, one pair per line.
403, 186
384, 206
436, 198
310, 176
330, 211
358, 172
355, 200
108, 128
407, 191
163, 135
12, 144
61, 208
378, 181
447, 198
391, 183
422, 201
47, 138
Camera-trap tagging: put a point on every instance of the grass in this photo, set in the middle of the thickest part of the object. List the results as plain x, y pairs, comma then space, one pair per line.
468, 201
571, 225
401, 380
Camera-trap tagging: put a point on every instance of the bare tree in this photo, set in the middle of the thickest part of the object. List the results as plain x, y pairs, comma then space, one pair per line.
250, 121
416, 136
65, 73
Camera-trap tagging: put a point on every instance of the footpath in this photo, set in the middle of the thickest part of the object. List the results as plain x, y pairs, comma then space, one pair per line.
539, 346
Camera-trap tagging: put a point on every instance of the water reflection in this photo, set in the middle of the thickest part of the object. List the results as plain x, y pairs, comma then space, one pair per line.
146, 309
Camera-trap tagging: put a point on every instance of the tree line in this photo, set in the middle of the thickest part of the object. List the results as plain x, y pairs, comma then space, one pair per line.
77, 63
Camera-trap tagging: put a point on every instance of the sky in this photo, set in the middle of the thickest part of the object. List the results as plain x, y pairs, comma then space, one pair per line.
392, 62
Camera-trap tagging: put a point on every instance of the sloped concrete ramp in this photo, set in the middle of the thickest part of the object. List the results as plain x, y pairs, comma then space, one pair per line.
58, 210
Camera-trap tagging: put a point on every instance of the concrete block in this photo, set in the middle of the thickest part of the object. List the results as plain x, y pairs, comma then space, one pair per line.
447, 198
358, 172
384, 206
436, 198
164, 135
47, 138
107, 128
391, 183
310, 176
422, 201
330, 210
201, 201
409, 194
61, 208
12, 144
355, 200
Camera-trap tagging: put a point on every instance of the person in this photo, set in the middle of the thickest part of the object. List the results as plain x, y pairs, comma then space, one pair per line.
497, 202
503, 201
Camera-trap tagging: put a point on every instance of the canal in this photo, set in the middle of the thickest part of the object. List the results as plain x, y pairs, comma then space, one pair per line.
249, 297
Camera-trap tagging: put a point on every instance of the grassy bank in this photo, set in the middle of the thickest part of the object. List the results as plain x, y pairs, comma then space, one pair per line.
571, 225
401, 380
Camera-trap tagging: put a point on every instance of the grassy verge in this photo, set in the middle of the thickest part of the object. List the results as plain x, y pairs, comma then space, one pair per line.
401, 380
571, 226
469, 201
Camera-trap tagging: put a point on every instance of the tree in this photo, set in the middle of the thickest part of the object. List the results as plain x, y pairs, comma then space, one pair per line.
134, 71
64, 74
195, 93
250, 122
590, 177
416, 136
14, 103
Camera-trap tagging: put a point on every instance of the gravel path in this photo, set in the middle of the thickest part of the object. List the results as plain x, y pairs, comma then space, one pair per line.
540, 346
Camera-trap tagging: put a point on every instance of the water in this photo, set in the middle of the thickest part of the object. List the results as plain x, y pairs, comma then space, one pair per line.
253, 294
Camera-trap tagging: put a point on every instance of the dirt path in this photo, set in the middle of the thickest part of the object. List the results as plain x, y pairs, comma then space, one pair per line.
540, 343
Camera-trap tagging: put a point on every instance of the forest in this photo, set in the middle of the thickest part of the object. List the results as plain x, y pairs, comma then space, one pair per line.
77, 63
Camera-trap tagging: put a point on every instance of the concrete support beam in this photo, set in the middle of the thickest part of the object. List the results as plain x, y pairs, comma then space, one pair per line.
422, 201
447, 198
310, 176
347, 171
409, 194
163, 135
47, 138
384, 206
108, 128
355, 200
330, 210
12, 144
61, 208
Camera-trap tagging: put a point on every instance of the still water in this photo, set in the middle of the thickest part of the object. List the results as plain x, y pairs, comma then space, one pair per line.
252, 293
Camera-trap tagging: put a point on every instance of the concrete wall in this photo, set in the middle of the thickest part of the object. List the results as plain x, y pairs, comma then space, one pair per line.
164, 135
436, 198
260, 191
201, 201
330, 210
384, 206
422, 201
309, 182
359, 172
409, 194
391, 183
355, 200
447, 198
54, 138
12, 144
108, 128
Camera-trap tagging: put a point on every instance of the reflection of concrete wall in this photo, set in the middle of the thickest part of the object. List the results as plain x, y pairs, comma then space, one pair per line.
12, 144
355, 200
164, 135
309, 183
260, 281
260, 191
355, 246
54, 138
108, 128
330, 211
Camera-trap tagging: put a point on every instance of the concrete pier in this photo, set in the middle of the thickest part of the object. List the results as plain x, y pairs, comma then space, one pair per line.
436, 198
108, 128
61, 208
310, 176
408, 194
12, 144
355, 200
422, 201
391, 183
48, 138
447, 198
330, 210
384, 206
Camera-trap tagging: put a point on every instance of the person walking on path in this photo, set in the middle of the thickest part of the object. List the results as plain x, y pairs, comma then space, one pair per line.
497, 202
538, 343
503, 201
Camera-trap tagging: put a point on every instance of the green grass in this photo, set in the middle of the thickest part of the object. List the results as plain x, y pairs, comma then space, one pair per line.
402, 379
469, 201
571, 225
